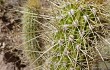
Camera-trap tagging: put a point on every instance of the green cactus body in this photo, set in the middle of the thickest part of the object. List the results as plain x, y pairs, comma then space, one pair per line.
78, 31
75, 37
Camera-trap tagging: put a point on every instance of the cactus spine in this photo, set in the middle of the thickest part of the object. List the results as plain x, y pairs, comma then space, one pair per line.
78, 30
31, 30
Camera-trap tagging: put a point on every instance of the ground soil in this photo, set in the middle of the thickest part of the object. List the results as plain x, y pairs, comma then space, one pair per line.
11, 53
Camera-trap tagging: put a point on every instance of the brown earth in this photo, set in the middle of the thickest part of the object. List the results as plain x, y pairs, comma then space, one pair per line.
11, 53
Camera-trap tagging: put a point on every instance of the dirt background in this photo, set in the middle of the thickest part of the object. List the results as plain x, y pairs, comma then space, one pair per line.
11, 52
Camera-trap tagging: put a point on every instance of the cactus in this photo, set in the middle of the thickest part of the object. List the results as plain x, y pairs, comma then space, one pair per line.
31, 29
79, 29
